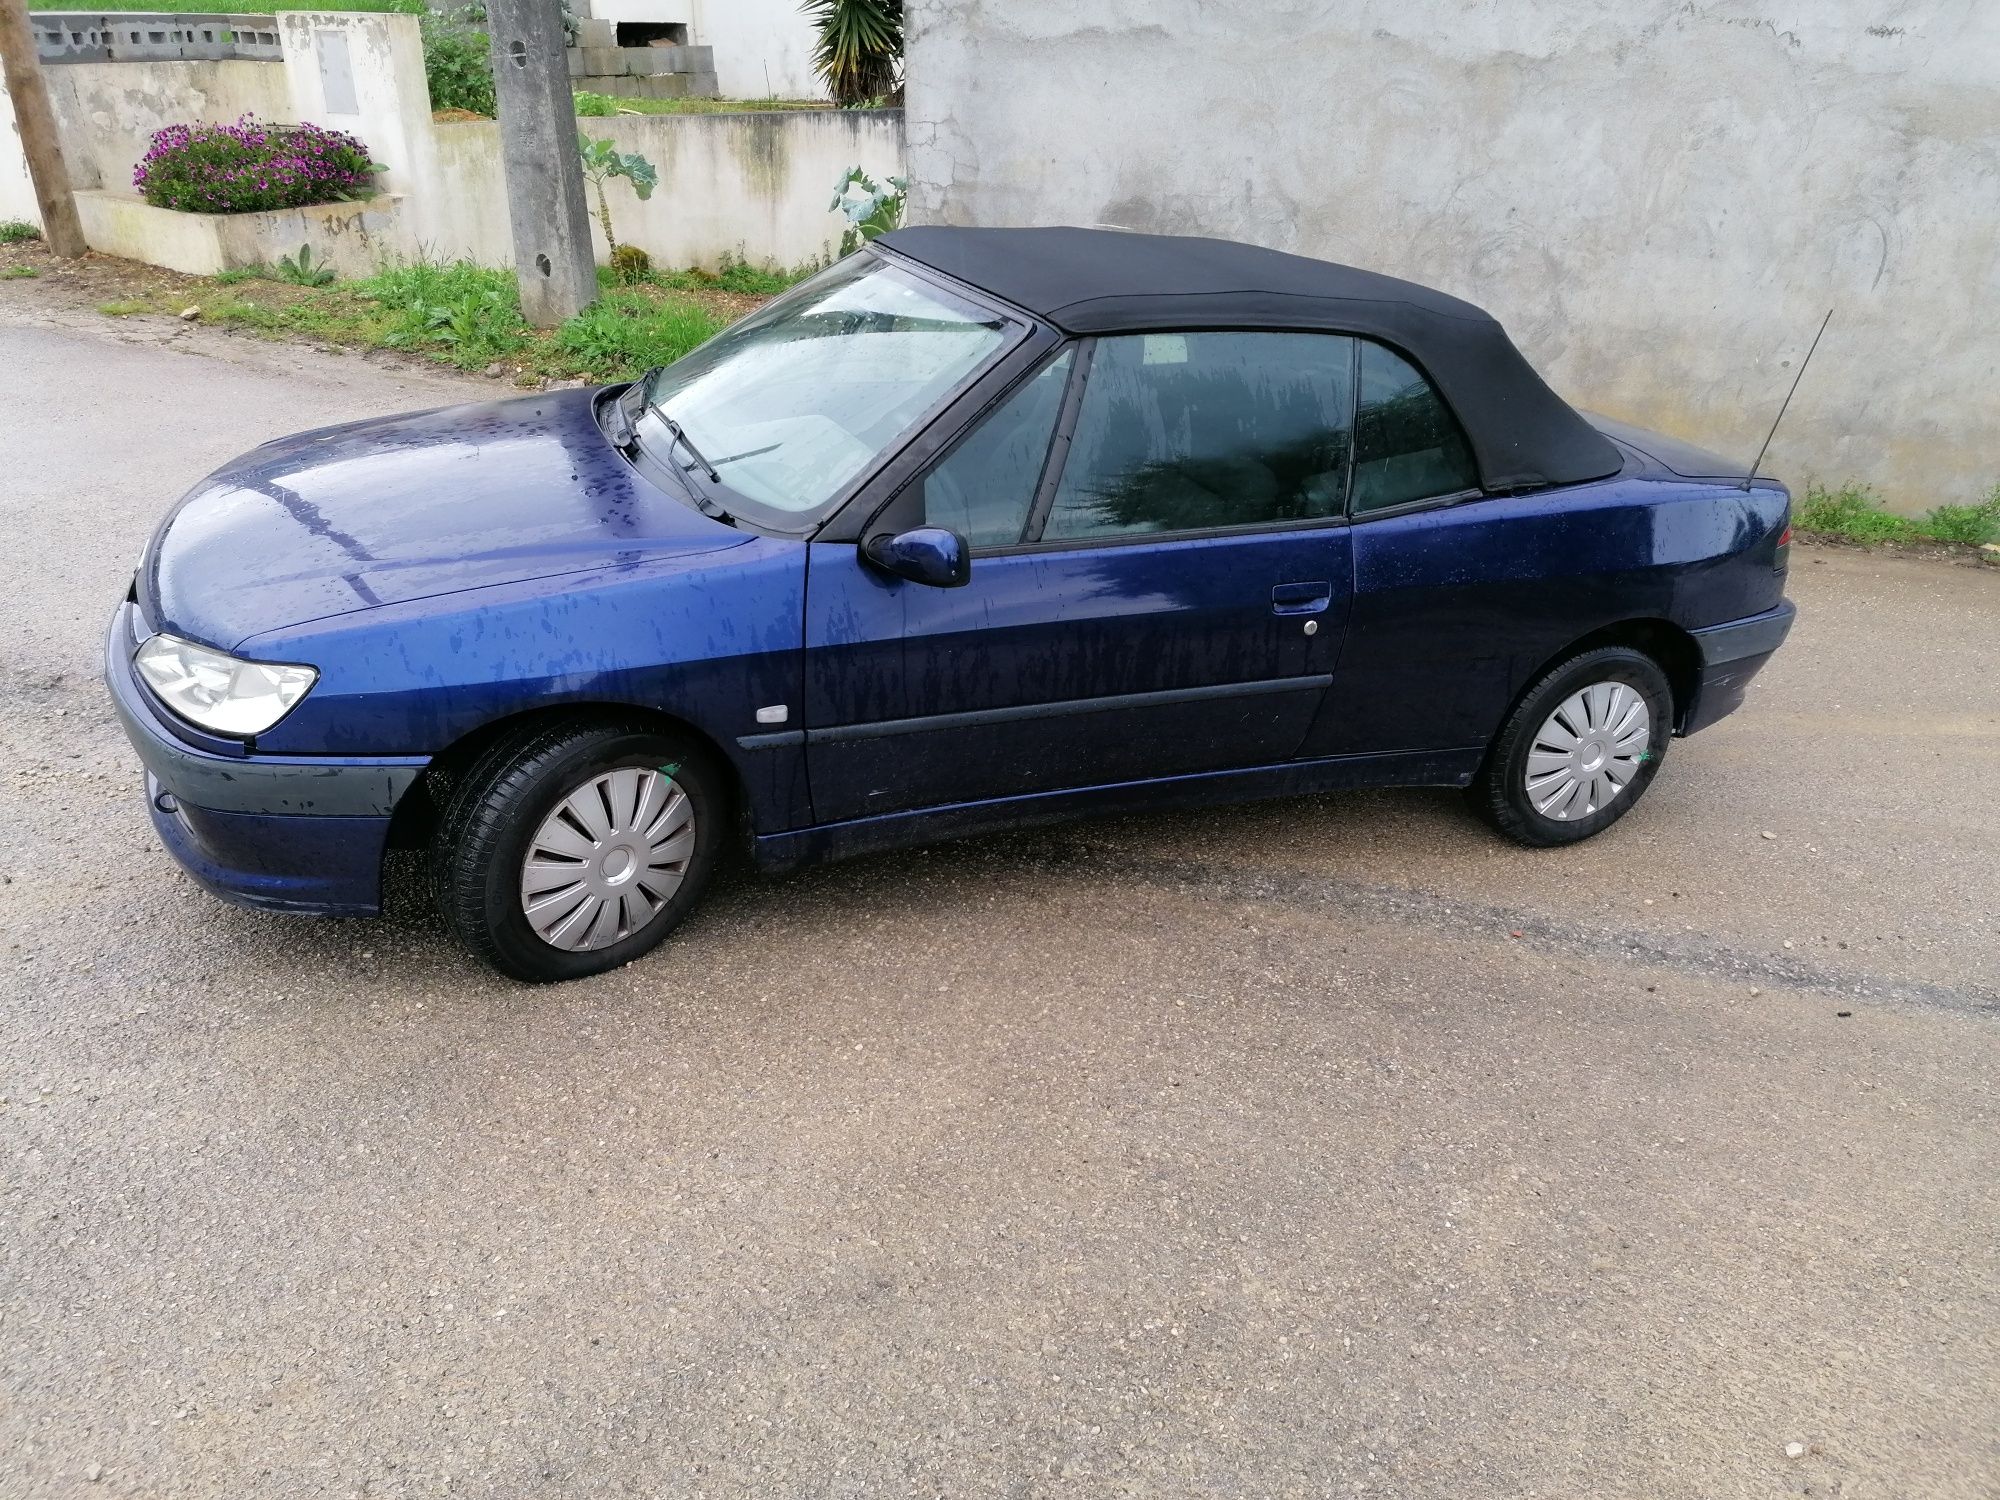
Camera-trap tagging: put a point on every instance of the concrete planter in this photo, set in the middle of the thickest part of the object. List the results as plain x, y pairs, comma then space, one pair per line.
350, 238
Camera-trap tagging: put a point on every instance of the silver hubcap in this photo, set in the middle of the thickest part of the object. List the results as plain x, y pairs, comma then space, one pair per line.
1587, 752
608, 859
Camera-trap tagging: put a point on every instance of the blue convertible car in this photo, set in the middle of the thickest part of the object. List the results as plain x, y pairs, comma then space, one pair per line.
977, 528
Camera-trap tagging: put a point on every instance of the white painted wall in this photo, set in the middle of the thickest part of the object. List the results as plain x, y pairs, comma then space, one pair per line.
763, 48
1659, 199
17, 191
750, 186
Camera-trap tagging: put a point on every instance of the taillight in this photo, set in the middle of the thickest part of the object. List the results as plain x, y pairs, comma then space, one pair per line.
1783, 557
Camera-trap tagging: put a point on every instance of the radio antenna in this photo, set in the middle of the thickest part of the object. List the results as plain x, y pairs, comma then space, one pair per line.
1750, 478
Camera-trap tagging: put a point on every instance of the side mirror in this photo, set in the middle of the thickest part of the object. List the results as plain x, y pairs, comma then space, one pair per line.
927, 554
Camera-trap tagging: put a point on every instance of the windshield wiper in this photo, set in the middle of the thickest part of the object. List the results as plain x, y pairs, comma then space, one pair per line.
624, 434
681, 437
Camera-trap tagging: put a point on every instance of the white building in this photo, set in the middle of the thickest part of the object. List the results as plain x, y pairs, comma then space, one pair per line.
762, 47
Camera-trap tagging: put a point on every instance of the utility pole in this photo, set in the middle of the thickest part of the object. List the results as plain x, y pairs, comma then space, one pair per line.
545, 203
36, 122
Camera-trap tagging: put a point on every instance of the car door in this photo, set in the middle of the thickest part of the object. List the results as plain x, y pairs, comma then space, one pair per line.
1160, 571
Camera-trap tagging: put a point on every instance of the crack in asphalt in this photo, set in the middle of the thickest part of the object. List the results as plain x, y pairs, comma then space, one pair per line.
1693, 955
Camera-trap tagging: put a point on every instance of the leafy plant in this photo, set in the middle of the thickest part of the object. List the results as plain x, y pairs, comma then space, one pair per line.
1971, 525
471, 313
238, 274
17, 232
458, 62
628, 331
859, 46
1854, 511
249, 167
602, 161
595, 106
302, 270
871, 209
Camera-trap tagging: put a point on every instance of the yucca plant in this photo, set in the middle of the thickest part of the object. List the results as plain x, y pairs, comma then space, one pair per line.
860, 47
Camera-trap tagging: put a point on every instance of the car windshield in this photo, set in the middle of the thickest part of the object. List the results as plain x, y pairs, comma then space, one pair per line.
787, 407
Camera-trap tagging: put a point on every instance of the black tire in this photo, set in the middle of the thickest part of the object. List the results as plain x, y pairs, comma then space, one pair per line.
491, 818
1499, 792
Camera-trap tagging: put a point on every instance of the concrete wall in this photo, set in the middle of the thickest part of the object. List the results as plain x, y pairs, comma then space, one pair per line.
763, 48
751, 186
1660, 199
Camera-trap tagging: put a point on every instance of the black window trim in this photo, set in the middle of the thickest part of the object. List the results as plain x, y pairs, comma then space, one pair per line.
1422, 502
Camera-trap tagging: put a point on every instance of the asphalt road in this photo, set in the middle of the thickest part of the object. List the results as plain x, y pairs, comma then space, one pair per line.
1329, 1147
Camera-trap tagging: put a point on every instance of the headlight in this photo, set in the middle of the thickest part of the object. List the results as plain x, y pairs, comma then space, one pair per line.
218, 691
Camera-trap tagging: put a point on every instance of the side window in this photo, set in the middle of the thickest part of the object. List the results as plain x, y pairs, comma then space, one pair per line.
985, 488
1188, 431
1407, 444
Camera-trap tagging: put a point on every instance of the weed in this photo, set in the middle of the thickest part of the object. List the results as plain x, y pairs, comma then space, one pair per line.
124, 308
302, 270
1855, 511
737, 276
1971, 525
469, 313
17, 232
236, 275
624, 332
18, 273
595, 106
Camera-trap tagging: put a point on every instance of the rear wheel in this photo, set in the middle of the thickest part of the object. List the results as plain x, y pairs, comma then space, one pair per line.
572, 849
1579, 750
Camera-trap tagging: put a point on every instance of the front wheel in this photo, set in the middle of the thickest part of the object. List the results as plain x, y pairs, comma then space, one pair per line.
1579, 749
571, 849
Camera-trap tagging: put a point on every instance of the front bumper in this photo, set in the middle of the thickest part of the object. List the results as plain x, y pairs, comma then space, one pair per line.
277, 832
1731, 655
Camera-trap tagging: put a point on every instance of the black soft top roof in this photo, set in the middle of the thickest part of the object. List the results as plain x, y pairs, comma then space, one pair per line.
1107, 281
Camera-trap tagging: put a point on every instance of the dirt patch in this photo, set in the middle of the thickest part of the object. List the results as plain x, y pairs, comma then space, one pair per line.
1963, 553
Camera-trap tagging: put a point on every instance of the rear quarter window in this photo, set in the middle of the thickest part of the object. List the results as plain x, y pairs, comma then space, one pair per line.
1407, 444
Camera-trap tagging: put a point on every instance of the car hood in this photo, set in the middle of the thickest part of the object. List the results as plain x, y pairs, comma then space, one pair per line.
408, 507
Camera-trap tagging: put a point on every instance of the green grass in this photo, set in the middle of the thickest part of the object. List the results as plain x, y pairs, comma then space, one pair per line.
625, 332
19, 273
1855, 513
234, 7
125, 308
589, 104
470, 316
735, 276
17, 232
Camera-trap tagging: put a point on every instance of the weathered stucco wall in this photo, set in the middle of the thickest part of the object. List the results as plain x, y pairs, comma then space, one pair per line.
762, 47
106, 113
1660, 199
752, 186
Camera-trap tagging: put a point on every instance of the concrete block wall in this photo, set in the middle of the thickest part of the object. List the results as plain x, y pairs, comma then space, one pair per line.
659, 72
1660, 200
